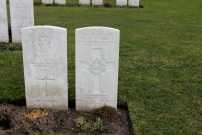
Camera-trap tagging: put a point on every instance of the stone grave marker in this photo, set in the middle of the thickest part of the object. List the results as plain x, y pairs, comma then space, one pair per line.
97, 60
22, 15
84, 2
3, 22
121, 2
133, 3
47, 1
45, 67
97, 2
63, 2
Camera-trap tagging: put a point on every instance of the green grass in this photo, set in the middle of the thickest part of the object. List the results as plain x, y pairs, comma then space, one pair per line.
160, 71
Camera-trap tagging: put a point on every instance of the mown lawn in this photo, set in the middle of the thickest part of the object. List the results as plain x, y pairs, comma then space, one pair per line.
160, 71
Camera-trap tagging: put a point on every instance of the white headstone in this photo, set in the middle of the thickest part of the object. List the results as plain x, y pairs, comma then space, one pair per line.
47, 1
45, 67
97, 60
63, 2
22, 15
97, 2
134, 3
84, 2
121, 2
3, 22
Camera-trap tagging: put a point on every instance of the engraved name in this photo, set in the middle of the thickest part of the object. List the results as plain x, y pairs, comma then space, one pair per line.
97, 39
46, 101
44, 60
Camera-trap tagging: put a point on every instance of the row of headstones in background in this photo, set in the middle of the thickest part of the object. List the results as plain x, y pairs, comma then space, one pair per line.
56, 1
45, 67
134, 3
96, 2
22, 15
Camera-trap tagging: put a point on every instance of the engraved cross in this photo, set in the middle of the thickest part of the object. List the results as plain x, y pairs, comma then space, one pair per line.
96, 65
45, 75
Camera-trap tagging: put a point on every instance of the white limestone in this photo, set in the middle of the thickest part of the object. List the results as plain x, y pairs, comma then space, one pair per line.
3, 22
22, 15
97, 2
97, 60
47, 1
84, 2
134, 3
121, 2
63, 2
45, 67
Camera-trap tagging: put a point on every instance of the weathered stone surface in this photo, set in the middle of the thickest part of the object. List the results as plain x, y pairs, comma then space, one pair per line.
45, 67
63, 2
134, 3
22, 15
97, 2
97, 60
84, 2
3, 22
121, 2
47, 1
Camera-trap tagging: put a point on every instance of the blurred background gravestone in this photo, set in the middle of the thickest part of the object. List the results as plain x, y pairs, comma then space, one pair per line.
22, 15
3, 22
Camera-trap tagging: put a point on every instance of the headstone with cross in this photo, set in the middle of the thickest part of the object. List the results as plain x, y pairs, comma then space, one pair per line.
3, 22
97, 60
22, 15
45, 67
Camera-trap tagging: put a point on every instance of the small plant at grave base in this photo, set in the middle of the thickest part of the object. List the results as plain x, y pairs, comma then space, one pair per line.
98, 125
35, 115
81, 123
5, 114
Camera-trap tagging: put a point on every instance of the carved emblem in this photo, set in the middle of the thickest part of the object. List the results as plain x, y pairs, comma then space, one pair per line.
43, 41
21, 6
96, 66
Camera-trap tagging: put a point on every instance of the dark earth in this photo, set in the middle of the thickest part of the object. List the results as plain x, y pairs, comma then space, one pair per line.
14, 121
